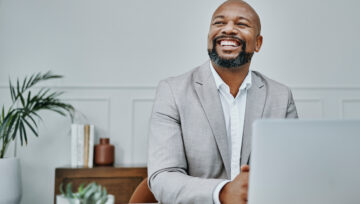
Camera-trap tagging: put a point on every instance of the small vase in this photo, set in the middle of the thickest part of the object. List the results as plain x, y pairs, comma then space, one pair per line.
10, 182
104, 153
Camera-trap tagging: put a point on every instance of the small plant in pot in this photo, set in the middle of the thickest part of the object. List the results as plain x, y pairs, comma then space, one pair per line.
91, 194
15, 121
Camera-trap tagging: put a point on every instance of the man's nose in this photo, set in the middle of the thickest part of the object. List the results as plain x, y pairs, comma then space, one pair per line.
229, 29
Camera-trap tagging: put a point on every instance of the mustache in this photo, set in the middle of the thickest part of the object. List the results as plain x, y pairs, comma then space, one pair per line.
242, 42
229, 37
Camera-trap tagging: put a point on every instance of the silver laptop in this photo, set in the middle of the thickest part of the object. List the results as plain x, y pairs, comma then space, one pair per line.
305, 161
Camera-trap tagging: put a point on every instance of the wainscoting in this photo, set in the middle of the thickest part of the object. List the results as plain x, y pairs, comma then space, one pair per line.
327, 102
122, 113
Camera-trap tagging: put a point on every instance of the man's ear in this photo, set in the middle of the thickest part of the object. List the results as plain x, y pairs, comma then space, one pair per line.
259, 41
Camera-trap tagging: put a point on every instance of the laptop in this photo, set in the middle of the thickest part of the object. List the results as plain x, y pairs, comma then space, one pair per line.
305, 161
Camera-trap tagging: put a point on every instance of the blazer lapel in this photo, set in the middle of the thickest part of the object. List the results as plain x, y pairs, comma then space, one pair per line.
208, 95
255, 103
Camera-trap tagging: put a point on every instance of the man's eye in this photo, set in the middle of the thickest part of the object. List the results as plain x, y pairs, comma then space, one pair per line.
242, 24
218, 23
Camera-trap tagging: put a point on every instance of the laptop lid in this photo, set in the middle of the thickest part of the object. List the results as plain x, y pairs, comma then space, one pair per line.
305, 161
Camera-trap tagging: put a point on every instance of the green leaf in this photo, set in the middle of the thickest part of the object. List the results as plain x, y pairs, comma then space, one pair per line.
12, 121
30, 80
16, 128
23, 85
4, 124
51, 96
32, 119
90, 191
5, 131
12, 92
49, 75
2, 113
41, 91
22, 100
36, 79
17, 87
31, 128
28, 98
56, 94
44, 93
37, 115
33, 103
97, 194
61, 189
104, 196
69, 193
82, 193
24, 132
81, 187
21, 133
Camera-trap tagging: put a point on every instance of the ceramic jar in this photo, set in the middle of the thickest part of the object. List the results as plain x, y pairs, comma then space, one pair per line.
104, 153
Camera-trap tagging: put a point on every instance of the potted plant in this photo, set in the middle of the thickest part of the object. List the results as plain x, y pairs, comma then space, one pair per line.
91, 194
17, 120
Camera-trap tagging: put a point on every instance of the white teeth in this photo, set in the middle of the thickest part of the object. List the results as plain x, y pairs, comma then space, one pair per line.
227, 43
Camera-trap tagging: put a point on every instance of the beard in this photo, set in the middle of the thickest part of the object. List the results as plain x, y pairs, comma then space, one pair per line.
241, 59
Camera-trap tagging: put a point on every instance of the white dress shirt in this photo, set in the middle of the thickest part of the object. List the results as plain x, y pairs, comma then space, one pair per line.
234, 114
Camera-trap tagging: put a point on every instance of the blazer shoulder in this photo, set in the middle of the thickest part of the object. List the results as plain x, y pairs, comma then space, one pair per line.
270, 84
181, 81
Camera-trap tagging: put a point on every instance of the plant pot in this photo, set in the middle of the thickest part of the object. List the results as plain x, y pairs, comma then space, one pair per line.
10, 182
60, 199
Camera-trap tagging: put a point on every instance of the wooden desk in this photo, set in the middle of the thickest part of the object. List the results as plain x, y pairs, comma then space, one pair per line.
119, 181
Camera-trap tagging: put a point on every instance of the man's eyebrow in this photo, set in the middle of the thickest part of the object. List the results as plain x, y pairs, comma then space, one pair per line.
219, 16
243, 18
239, 18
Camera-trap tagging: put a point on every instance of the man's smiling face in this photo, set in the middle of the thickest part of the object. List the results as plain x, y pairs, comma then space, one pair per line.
234, 33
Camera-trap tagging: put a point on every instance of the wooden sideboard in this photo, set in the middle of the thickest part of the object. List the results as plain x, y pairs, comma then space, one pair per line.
119, 181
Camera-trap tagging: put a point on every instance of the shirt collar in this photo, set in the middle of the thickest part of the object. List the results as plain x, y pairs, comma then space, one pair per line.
219, 82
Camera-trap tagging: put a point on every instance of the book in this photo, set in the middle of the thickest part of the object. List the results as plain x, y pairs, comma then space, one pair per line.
91, 146
73, 146
86, 145
82, 145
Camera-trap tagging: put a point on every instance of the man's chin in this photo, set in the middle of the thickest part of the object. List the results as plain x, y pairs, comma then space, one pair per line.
226, 56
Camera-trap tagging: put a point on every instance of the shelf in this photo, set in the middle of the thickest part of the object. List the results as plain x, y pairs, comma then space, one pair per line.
119, 181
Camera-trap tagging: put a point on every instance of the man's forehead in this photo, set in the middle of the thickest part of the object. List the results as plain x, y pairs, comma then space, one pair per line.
236, 8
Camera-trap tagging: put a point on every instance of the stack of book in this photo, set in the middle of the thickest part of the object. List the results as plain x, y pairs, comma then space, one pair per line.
82, 145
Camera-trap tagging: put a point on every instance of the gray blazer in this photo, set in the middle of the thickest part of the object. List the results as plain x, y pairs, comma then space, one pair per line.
188, 149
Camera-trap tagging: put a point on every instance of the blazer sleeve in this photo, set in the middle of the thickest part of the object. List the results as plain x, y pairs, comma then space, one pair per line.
167, 164
291, 108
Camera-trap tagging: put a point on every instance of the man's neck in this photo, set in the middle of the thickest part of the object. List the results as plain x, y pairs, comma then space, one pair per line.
233, 77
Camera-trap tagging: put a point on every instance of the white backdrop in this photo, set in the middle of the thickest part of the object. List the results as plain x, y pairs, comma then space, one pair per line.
113, 53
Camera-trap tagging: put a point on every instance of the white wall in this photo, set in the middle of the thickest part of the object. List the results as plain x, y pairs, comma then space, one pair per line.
113, 53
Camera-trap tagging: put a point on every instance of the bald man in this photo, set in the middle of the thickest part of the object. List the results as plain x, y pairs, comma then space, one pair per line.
200, 127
